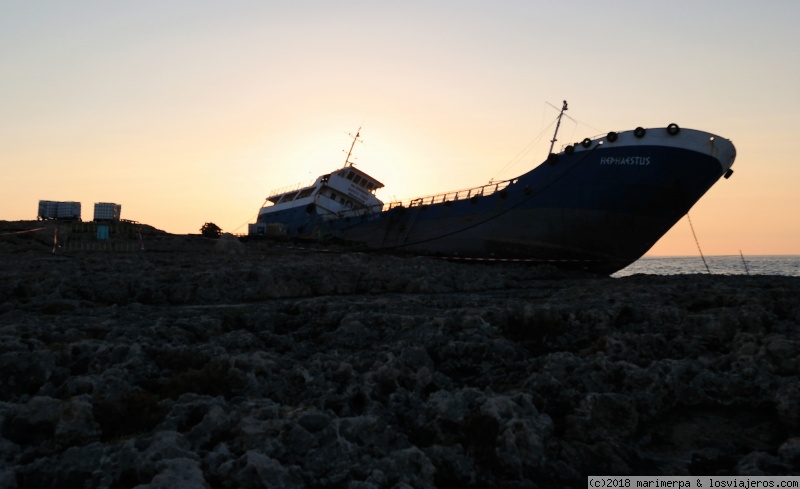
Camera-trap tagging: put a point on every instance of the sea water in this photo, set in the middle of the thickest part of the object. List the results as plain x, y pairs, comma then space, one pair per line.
717, 265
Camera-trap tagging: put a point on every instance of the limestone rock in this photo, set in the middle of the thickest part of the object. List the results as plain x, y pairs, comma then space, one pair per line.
272, 365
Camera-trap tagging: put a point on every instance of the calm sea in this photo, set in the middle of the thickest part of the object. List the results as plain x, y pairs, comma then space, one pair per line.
718, 265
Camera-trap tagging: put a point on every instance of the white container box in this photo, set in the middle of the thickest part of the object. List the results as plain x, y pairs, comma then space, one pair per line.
49, 209
107, 211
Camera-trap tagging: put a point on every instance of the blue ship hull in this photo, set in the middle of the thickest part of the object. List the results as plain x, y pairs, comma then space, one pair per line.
599, 206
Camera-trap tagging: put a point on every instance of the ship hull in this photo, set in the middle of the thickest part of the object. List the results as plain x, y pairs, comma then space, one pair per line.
598, 207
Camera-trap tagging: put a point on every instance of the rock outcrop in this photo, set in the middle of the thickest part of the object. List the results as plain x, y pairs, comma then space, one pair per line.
231, 367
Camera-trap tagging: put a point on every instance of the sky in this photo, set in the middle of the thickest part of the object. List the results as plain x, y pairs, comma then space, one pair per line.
192, 111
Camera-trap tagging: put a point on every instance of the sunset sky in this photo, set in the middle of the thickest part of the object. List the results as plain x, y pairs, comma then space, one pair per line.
186, 112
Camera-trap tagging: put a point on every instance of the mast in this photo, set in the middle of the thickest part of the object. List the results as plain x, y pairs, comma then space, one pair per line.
553, 141
352, 145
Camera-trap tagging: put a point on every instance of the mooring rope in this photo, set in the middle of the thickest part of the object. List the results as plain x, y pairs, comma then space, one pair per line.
746, 269
698, 243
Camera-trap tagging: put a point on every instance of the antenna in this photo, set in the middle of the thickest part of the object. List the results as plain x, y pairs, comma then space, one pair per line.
347, 161
561, 114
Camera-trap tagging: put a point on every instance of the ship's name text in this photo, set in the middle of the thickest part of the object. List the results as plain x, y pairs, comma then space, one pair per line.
630, 161
354, 191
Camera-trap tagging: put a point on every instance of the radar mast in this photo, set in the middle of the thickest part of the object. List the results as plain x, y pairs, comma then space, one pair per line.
555, 135
347, 161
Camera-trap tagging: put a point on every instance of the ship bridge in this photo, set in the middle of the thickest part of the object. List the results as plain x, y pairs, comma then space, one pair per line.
354, 184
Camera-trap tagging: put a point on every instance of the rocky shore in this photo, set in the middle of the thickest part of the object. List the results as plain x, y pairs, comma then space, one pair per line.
230, 365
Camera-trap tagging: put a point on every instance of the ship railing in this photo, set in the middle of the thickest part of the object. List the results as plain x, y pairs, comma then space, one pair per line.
482, 191
291, 188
